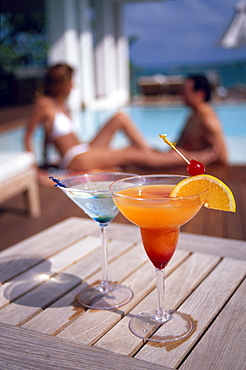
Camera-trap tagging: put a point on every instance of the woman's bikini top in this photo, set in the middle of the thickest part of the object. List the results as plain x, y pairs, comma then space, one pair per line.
62, 126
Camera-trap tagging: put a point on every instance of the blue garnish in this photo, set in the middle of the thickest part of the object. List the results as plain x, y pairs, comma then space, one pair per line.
58, 182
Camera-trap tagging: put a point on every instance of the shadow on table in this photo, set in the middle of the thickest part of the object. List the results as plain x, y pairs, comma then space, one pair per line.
19, 282
14, 265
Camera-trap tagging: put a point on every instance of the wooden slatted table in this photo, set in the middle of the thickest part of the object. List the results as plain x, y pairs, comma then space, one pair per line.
42, 326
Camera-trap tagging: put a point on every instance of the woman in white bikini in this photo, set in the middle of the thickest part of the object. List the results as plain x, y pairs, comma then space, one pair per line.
51, 111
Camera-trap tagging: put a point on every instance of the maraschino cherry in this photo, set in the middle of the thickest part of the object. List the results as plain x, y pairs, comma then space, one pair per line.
193, 167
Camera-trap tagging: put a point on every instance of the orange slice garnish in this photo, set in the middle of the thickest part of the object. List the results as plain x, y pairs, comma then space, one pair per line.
219, 195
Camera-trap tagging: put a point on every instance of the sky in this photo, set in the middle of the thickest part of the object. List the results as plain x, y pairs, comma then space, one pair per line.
180, 31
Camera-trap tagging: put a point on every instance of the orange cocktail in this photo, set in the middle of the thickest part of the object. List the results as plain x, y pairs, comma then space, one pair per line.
146, 201
158, 216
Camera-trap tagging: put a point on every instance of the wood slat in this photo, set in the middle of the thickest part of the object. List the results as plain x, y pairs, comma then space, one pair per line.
94, 323
63, 312
59, 315
227, 335
203, 306
200, 284
128, 232
212, 245
45, 270
44, 294
192, 270
31, 350
41, 246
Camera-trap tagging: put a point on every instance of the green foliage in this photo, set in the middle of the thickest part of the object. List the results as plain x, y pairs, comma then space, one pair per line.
23, 40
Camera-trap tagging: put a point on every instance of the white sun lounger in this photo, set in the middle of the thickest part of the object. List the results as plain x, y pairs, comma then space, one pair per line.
18, 174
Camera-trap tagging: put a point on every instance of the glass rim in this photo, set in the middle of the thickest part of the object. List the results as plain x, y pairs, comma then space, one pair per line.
87, 176
149, 198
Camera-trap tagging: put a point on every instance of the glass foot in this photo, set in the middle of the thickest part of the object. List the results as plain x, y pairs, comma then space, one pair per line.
145, 326
97, 298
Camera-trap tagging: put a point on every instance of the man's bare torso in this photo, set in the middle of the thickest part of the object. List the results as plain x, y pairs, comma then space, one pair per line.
194, 135
203, 130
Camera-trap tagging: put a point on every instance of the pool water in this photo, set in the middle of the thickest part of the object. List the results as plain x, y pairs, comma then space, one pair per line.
151, 121
169, 120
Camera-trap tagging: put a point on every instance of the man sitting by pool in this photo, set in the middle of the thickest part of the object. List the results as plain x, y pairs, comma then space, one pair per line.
202, 129
51, 111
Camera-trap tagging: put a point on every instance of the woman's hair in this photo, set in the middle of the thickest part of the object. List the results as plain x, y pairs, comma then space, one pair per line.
56, 77
202, 83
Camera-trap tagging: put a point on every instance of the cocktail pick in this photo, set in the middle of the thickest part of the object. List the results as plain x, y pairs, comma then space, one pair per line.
58, 182
193, 167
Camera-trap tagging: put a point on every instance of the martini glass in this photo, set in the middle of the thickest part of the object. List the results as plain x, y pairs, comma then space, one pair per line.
145, 201
91, 193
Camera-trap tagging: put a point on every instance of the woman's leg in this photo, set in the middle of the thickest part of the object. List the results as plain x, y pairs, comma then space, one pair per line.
118, 122
98, 157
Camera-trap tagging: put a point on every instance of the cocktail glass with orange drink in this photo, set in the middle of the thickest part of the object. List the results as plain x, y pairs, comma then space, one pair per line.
159, 205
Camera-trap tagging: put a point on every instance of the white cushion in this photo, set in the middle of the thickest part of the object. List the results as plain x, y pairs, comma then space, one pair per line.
14, 163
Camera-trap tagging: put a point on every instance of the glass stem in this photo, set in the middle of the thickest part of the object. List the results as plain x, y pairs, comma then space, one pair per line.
162, 314
104, 239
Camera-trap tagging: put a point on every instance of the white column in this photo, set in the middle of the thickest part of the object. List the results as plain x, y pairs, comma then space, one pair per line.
99, 48
101, 63
110, 49
105, 57
122, 53
55, 12
63, 34
87, 79
63, 37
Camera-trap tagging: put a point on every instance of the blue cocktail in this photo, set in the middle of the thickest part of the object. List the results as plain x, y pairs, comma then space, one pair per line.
91, 193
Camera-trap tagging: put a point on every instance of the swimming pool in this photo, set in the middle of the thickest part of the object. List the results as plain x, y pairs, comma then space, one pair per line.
151, 120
